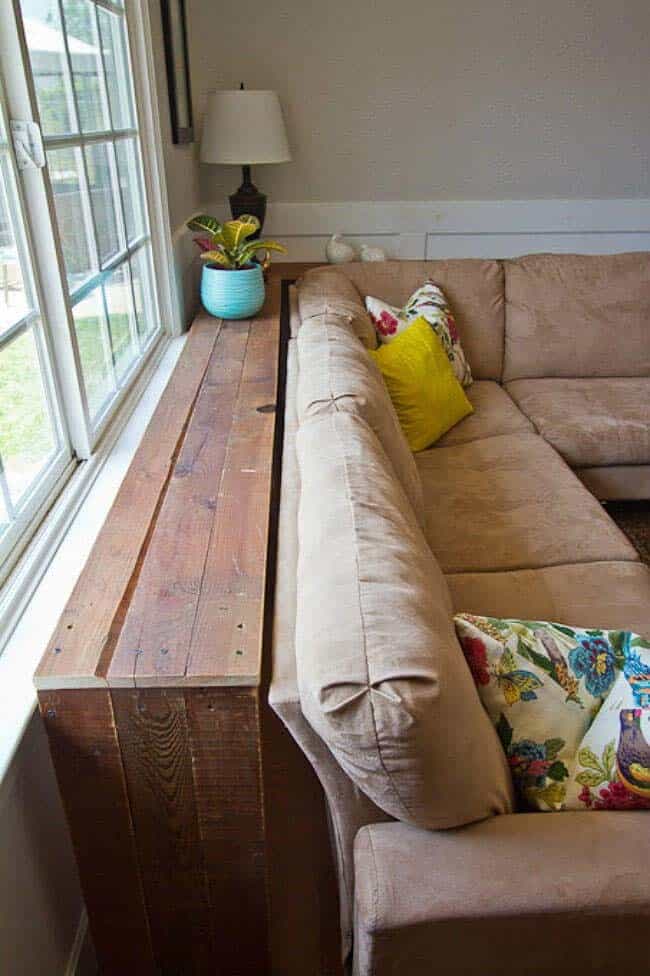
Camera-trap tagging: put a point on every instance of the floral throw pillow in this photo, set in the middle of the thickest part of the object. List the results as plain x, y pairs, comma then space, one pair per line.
427, 302
571, 707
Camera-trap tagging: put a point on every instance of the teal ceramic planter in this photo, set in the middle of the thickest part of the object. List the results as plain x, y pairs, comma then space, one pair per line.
232, 294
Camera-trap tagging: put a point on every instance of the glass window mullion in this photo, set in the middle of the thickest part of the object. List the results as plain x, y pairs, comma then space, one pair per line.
108, 338
6, 494
115, 183
87, 208
138, 338
44, 356
69, 73
84, 183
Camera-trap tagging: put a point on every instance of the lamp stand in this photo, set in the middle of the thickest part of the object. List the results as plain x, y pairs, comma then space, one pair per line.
248, 200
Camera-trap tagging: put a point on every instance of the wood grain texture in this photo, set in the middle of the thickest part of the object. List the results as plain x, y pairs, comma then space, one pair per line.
157, 757
153, 646
227, 636
154, 690
225, 734
86, 756
85, 632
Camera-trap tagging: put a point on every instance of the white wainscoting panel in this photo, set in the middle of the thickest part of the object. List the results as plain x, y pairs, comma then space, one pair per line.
460, 228
514, 245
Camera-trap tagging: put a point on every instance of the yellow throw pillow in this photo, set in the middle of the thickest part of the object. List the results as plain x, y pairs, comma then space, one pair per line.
426, 395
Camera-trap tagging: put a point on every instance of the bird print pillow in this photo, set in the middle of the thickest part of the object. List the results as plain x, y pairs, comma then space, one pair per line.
427, 302
571, 707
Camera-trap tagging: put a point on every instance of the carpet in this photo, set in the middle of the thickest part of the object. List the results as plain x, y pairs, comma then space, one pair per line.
634, 519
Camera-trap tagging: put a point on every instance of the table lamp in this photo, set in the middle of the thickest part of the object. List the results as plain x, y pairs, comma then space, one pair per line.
241, 128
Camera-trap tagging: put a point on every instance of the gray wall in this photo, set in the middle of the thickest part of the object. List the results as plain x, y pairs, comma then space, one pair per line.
437, 99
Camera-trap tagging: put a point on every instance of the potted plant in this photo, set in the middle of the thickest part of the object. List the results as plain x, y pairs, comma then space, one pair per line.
232, 281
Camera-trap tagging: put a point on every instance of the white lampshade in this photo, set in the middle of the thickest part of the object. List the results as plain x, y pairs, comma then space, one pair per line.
242, 127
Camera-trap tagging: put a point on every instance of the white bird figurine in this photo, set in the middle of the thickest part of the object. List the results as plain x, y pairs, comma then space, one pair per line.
369, 253
339, 251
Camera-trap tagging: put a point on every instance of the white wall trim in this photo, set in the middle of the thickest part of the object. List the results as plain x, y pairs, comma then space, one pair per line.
459, 228
144, 77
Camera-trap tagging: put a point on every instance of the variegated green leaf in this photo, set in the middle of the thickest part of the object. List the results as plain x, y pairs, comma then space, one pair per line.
204, 224
217, 257
253, 247
235, 232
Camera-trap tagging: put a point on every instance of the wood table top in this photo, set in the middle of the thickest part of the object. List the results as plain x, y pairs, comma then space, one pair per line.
173, 592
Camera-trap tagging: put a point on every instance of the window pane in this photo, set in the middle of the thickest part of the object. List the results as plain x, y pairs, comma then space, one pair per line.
145, 308
28, 440
47, 56
94, 351
119, 302
72, 216
14, 301
128, 167
86, 61
116, 63
99, 156
4, 517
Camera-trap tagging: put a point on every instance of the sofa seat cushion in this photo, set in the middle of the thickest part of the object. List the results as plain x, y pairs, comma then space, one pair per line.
567, 893
577, 315
494, 413
590, 421
337, 374
381, 676
511, 502
611, 595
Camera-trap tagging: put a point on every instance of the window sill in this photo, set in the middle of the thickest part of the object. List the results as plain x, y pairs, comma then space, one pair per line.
80, 511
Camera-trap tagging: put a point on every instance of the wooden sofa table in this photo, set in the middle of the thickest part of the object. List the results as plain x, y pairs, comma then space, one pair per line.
152, 689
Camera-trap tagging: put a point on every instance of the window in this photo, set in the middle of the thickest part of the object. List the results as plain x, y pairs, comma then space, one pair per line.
34, 449
80, 313
81, 74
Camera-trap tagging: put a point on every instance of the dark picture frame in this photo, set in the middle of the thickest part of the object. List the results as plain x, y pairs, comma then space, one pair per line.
178, 70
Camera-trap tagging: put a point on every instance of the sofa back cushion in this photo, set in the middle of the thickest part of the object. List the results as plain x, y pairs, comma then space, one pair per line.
576, 315
327, 291
337, 374
473, 288
381, 675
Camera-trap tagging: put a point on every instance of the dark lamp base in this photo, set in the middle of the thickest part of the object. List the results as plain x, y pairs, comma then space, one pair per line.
248, 200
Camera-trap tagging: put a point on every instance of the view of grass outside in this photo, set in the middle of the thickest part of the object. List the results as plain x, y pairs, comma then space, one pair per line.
94, 355
27, 438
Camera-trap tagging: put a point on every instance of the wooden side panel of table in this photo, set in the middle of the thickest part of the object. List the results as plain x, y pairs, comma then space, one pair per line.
152, 688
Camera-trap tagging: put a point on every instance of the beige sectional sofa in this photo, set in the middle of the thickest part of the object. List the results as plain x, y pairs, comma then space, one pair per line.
378, 548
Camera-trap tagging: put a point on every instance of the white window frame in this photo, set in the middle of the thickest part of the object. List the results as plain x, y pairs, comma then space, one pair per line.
32, 554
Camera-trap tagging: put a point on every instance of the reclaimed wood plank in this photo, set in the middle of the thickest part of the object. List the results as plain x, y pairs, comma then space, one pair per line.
226, 750
83, 742
153, 646
82, 642
227, 637
154, 739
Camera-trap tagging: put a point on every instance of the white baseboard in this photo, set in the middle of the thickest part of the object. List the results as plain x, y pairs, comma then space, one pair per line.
82, 960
